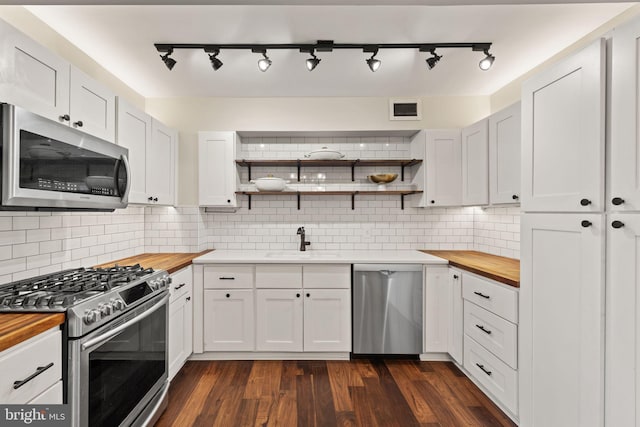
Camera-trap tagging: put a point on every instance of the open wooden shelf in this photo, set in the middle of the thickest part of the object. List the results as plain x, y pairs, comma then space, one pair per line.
352, 193
299, 163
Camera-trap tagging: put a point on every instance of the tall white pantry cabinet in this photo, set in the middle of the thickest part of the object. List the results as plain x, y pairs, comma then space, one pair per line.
562, 287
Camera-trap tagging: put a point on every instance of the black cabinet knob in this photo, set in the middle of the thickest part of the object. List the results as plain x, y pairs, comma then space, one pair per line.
188, 299
150, 199
617, 224
65, 118
586, 223
617, 201
228, 295
515, 197
308, 295
432, 201
228, 200
78, 123
455, 276
585, 202
297, 295
155, 199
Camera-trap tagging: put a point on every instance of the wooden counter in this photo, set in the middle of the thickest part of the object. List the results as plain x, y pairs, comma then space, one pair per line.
171, 262
501, 269
18, 327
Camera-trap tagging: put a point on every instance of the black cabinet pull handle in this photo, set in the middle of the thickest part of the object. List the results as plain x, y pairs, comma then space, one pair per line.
480, 294
515, 197
482, 328
227, 278
585, 202
297, 295
228, 295
308, 295
617, 201
455, 276
483, 370
188, 299
586, 223
181, 285
39, 370
78, 123
617, 224
65, 118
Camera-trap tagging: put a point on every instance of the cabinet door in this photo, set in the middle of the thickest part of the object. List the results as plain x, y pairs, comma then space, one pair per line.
561, 346
161, 164
92, 107
456, 325
279, 320
180, 333
216, 169
563, 112
504, 156
327, 320
475, 164
624, 170
134, 133
437, 305
228, 320
32, 76
444, 168
623, 321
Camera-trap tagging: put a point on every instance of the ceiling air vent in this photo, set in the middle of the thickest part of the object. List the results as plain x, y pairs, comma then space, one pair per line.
405, 109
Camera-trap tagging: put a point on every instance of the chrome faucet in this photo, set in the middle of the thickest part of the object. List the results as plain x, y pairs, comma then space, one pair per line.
303, 243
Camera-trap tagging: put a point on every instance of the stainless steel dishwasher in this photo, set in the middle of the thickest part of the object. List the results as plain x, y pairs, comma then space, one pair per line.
387, 309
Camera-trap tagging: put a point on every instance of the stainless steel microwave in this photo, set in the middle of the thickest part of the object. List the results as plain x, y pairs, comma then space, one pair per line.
48, 165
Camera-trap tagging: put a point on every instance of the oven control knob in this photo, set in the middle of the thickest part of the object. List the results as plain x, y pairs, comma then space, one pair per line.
91, 316
154, 285
117, 304
105, 309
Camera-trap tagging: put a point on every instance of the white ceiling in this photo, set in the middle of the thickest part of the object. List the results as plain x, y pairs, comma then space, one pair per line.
121, 39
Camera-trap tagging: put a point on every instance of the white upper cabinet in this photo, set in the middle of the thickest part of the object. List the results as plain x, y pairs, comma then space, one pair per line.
92, 107
40, 81
441, 172
561, 342
504, 156
475, 164
152, 155
216, 169
563, 115
624, 165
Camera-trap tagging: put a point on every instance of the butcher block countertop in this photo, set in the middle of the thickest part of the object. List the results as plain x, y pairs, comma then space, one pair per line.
499, 268
171, 262
18, 327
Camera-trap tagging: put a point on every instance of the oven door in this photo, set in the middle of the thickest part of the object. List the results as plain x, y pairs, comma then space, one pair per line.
118, 373
50, 165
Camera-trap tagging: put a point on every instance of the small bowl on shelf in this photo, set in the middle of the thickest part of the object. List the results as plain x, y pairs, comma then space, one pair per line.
382, 179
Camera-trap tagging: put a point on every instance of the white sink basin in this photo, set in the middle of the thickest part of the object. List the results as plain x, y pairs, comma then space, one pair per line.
302, 255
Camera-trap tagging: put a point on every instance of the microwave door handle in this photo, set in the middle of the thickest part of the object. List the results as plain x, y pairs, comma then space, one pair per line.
125, 160
113, 332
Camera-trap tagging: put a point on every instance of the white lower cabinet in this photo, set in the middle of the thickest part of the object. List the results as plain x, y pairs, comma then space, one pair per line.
31, 368
229, 320
180, 319
456, 323
327, 320
279, 320
52, 395
437, 306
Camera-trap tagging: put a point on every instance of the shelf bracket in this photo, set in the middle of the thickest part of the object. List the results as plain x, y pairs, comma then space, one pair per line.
402, 198
249, 196
249, 170
353, 200
353, 170
298, 165
401, 172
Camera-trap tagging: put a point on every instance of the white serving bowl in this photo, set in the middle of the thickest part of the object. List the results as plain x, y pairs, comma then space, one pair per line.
324, 154
269, 183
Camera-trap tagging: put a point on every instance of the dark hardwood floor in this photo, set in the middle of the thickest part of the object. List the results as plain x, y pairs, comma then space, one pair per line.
359, 392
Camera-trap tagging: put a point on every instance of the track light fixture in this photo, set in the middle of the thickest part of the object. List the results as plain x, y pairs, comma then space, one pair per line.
169, 62
325, 46
312, 62
213, 57
372, 62
486, 62
433, 61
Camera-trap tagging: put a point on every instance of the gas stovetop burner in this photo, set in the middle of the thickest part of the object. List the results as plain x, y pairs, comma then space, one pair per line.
58, 291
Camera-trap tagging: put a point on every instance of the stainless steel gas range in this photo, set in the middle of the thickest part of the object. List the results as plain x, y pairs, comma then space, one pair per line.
115, 339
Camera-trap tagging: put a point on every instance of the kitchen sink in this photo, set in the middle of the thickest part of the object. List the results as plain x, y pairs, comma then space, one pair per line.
302, 255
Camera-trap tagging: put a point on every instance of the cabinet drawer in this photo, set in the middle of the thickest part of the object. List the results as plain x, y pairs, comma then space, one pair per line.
325, 276
492, 296
492, 373
228, 276
494, 333
278, 276
51, 396
181, 282
24, 360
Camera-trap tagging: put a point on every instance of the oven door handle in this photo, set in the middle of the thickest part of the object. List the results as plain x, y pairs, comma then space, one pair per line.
108, 335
